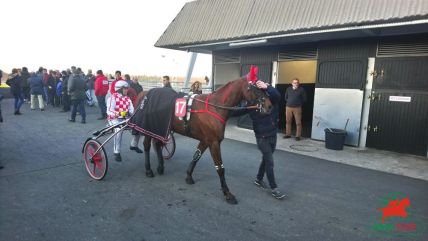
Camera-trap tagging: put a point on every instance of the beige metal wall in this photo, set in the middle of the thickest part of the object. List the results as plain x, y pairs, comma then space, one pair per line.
304, 70
224, 73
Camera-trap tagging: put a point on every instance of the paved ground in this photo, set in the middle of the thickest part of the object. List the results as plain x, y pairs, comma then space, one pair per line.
47, 195
379, 160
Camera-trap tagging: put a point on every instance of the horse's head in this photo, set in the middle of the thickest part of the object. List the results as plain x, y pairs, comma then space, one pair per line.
259, 98
254, 95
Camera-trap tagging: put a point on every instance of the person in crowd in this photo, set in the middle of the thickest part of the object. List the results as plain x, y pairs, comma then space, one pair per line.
25, 87
76, 89
265, 128
90, 86
15, 83
131, 92
58, 88
118, 76
1, 96
295, 97
45, 78
166, 82
134, 90
51, 87
119, 106
66, 102
128, 79
196, 88
136, 86
101, 89
36, 91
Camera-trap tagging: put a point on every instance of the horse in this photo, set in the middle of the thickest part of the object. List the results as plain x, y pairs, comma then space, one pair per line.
207, 124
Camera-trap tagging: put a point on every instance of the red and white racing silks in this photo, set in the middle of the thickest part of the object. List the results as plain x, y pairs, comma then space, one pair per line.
117, 104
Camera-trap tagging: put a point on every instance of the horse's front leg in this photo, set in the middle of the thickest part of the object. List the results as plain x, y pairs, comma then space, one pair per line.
158, 146
198, 153
216, 155
147, 144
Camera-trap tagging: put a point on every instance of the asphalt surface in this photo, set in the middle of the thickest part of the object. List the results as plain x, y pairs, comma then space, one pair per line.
46, 194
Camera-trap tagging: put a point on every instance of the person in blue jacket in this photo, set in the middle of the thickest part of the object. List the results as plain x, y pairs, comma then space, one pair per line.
36, 90
265, 129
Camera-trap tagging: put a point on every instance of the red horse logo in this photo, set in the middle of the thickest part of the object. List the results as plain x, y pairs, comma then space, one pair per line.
395, 208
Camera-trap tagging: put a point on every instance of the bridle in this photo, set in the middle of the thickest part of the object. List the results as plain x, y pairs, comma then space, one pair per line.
256, 104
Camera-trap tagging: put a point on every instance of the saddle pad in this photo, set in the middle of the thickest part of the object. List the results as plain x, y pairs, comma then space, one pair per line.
154, 114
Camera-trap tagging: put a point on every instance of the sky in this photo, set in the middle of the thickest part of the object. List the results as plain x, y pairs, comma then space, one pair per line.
93, 34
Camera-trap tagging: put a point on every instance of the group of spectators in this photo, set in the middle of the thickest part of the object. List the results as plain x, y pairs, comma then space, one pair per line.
69, 89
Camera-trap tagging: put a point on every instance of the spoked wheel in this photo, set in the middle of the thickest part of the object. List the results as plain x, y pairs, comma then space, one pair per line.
169, 148
96, 162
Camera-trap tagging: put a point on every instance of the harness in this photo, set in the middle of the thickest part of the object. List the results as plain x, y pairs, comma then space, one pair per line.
189, 99
207, 111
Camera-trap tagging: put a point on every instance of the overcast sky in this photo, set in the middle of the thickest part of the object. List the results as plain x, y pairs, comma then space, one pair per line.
96, 34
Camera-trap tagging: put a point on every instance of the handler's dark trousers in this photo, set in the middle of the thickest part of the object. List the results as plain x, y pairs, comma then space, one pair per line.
267, 147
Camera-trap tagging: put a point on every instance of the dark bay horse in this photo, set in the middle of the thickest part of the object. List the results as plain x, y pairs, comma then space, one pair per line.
207, 124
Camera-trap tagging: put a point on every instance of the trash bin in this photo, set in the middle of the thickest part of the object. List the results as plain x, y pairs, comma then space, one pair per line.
334, 138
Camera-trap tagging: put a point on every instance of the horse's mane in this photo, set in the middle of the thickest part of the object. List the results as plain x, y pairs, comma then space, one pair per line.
223, 87
225, 90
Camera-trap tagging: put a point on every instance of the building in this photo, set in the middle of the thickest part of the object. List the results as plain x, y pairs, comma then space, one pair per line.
363, 63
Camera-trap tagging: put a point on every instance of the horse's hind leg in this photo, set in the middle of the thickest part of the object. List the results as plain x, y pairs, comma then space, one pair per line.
147, 144
198, 153
216, 155
158, 146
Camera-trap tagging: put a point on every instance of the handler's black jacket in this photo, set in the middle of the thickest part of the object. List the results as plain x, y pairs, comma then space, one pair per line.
267, 125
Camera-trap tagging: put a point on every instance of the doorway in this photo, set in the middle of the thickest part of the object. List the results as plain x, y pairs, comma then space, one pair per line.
305, 71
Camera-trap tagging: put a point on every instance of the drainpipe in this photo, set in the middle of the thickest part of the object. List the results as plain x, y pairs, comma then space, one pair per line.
190, 69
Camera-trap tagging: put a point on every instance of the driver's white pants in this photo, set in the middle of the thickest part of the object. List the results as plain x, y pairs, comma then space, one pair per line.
117, 139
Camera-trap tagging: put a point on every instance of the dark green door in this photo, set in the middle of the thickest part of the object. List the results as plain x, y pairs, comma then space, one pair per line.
398, 118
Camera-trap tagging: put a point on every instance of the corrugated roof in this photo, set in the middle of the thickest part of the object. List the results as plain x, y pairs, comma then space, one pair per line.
207, 21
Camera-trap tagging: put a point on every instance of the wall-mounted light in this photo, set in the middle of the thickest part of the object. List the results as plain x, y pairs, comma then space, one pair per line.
261, 41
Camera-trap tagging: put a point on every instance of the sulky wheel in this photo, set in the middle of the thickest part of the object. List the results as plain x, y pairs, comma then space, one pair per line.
95, 162
169, 148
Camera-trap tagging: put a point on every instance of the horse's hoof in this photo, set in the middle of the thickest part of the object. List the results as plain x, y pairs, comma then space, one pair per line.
231, 199
189, 180
149, 173
160, 170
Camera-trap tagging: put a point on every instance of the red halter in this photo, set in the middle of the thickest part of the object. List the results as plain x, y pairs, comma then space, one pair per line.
209, 112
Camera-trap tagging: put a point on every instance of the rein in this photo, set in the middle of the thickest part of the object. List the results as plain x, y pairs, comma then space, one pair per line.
215, 115
228, 108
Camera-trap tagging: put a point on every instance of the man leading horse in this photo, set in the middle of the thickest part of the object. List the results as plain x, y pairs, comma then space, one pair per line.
207, 121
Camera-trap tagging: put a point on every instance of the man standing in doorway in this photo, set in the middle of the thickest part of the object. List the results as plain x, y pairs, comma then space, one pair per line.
295, 97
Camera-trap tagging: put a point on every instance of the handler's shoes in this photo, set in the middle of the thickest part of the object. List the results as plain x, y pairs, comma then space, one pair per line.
286, 137
117, 157
277, 194
136, 149
260, 184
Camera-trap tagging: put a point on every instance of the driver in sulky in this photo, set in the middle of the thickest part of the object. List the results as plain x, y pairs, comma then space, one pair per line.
119, 106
